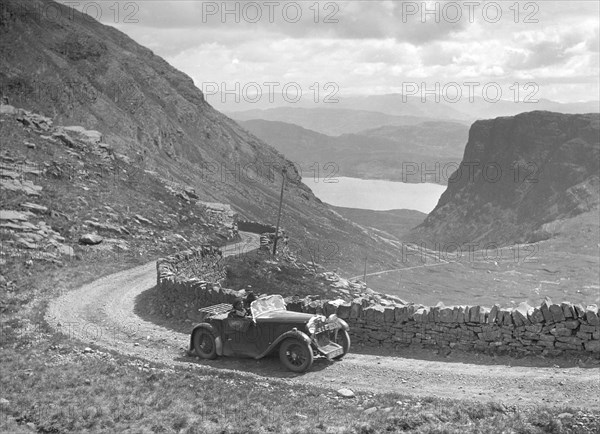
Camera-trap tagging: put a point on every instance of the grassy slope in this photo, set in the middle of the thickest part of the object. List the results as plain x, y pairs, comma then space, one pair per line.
564, 268
394, 223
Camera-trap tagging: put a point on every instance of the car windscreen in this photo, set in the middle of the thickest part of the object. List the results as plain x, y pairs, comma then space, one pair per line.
267, 304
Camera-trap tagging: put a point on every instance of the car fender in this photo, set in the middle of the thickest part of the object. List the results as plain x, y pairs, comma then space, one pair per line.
343, 324
294, 333
210, 328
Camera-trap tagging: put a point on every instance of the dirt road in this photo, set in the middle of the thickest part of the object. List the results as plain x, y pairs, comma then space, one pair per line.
102, 313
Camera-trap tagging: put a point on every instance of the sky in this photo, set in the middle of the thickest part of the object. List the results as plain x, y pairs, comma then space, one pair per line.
549, 48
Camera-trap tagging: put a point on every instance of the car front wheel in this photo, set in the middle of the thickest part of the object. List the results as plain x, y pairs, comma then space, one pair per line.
296, 355
204, 344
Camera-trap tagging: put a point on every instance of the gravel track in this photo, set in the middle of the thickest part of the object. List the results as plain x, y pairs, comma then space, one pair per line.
102, 313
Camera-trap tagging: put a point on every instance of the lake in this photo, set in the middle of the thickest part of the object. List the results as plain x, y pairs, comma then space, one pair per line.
376, 194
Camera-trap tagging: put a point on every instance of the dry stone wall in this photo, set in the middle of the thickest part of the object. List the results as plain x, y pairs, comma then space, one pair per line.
254, 227
179, 294
551, 329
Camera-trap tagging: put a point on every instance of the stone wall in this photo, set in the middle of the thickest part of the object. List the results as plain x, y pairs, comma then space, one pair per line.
179, 294
550, 329
254, 227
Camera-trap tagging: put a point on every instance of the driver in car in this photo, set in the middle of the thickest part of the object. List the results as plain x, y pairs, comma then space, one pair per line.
238, 310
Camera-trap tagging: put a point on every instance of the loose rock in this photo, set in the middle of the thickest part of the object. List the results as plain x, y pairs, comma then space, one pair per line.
90, 239
346, 393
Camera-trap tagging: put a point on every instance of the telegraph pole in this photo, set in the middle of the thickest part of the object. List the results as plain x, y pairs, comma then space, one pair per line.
283, 173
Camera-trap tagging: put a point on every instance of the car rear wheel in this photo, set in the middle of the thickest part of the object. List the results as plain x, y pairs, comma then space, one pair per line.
296, 355
342, 338
204, 344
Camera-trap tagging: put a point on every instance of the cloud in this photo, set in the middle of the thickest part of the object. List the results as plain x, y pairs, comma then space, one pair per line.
370, 46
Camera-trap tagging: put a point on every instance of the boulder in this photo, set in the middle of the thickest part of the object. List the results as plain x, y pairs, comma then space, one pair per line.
92, 136
6, 109
74, 129
63, 249
13, 216
34, 207
142, 219
346, 393
90, 239
370, 410
65, 138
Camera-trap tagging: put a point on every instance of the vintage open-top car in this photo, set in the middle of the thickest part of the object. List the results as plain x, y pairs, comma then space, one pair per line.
298, 337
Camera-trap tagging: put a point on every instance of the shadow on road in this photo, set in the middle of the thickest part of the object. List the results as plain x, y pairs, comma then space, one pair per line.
145, 308
268, 367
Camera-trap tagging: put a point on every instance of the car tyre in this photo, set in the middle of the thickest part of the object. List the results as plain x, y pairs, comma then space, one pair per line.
343, 339
296, 355
205, 345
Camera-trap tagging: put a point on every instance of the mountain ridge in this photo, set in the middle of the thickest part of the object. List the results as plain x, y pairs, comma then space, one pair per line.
518, 174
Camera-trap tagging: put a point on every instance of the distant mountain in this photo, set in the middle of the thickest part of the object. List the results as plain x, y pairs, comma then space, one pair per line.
436, 139
519, 176
397, 104
393, 153
390, 104
330, 121
464, 110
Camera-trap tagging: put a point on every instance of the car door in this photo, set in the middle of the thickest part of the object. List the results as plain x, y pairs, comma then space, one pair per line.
240, 335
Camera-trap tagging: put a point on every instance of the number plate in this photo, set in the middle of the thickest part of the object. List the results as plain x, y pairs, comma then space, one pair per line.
326, 327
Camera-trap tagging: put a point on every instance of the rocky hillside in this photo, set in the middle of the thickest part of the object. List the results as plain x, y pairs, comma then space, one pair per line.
519, 176
79, 72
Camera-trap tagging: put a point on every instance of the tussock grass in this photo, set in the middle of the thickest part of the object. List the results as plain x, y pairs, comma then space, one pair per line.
56, 386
